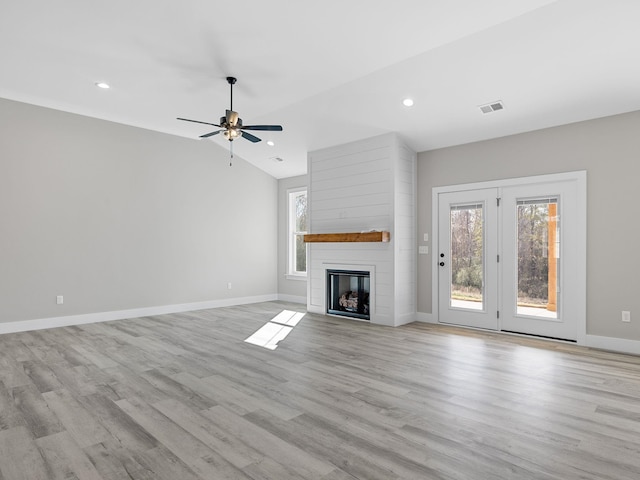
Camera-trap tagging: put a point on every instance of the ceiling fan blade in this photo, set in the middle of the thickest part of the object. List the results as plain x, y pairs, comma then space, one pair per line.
198, 121
271, 128
232, 118
251, 138
211, 134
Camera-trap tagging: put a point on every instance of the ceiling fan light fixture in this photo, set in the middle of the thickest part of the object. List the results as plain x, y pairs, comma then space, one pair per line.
232, 133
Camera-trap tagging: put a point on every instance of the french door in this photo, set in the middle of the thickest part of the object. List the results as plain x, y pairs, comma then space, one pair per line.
511, 258
468, 249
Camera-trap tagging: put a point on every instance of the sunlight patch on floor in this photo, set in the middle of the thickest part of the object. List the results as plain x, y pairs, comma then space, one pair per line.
287, 317
275, 330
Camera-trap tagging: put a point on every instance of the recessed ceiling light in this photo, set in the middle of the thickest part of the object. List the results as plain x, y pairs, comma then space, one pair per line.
407, 102
270, 143
102, 85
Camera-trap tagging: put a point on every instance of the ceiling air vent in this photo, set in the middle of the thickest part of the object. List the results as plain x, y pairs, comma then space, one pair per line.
492, 107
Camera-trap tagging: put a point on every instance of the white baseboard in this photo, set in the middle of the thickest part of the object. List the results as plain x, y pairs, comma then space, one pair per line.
621, 345
426, 317
53, 322
292, 298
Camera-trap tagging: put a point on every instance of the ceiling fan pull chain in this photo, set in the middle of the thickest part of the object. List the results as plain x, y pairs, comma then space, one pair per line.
231, 154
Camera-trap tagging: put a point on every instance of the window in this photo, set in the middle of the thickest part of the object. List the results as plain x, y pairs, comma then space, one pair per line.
297, 228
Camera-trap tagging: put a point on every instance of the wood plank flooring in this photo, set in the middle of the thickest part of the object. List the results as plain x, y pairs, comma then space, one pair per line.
183, 397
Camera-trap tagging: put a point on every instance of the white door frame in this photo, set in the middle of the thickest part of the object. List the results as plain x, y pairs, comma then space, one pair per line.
580, 177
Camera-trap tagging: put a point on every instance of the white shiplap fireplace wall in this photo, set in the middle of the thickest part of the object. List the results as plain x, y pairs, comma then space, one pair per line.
362, 186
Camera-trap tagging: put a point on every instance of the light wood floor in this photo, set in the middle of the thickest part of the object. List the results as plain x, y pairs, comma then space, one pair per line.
182, 397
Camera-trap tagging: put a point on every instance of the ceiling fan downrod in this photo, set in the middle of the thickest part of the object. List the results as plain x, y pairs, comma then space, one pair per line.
231, 81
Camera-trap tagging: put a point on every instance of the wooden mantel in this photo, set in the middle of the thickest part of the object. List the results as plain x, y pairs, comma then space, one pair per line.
348, 237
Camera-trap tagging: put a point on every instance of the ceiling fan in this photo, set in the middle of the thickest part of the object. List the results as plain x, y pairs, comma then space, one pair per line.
231, 124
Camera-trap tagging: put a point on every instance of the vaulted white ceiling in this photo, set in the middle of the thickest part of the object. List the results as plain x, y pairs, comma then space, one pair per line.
329, 72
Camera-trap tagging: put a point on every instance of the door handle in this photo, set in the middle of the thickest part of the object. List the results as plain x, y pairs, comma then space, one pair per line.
442, 255
442, 264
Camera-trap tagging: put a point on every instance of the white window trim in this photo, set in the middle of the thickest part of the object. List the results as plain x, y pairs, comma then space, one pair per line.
292, 275
301, 277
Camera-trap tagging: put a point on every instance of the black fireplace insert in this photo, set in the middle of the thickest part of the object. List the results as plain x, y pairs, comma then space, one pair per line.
348, 293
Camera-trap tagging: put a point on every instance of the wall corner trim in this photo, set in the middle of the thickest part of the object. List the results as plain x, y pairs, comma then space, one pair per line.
405, 319
54, 322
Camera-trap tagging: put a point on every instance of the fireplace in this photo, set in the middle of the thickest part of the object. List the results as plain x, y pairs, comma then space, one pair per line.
348, 293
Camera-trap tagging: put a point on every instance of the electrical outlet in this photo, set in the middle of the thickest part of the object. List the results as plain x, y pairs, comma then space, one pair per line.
59, 300
626, 316
423, 250
426, 237
229, 286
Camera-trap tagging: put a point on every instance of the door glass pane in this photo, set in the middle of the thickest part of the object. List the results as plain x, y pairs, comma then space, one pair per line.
467, 257
538, 254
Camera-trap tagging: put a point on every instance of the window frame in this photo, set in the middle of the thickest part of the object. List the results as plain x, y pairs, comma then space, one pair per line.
292, 233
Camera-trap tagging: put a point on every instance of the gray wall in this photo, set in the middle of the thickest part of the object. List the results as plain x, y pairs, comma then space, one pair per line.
286, 287
115, 217
609, 150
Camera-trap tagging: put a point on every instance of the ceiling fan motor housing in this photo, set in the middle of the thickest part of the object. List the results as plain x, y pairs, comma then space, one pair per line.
224, 123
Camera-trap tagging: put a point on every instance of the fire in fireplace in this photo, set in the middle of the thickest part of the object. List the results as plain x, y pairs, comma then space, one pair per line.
348, 293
